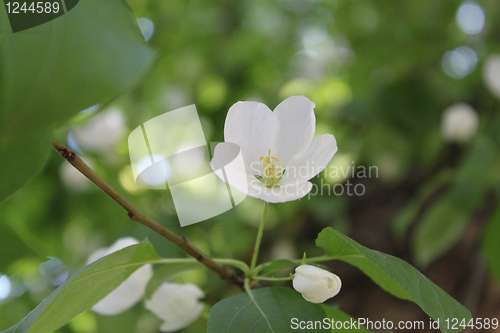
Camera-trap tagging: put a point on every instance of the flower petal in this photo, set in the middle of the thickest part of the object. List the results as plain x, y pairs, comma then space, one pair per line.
116, 246
177, 305
297, 124
228, 165
127, 294
312, 162
315, 284
130, 291
278, 194
253, 127
240, 177
181, 322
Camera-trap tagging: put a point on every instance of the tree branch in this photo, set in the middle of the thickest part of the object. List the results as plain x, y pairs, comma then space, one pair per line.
227, 274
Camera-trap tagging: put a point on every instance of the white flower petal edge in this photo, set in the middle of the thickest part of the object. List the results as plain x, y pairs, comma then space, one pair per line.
178, 305
130, 291
314, 160
254, 128
279, 194
237, 174
315, 284
297, 125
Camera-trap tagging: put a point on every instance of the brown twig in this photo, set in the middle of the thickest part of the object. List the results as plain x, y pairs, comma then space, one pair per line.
227, 274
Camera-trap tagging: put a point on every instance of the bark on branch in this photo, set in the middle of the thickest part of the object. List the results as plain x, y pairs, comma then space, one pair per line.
227, 274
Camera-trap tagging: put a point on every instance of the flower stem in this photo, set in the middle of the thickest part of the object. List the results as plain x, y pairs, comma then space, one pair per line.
223, 261
259, 238
235, 263
227, 274
262, 278
248, 289
310, 260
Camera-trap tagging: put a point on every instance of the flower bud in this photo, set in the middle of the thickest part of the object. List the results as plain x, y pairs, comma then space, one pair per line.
460, 123
315, 284
178, 305
491, 74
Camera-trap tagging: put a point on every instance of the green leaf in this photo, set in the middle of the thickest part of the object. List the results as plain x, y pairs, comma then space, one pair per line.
395, 276
167, 272
23, 213
85, 288
405, 218
440, 228
336, 315
491, 245
271, 309
447, 220
48, 73
17, 249
277, 265
408, 214
334, 243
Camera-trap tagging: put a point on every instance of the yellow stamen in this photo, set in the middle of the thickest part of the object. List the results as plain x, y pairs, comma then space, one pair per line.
272, 170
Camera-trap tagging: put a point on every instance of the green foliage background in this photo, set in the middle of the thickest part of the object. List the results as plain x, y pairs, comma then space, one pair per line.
377, 80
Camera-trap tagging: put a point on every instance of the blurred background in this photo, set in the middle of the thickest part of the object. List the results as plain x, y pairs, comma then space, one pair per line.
409, 89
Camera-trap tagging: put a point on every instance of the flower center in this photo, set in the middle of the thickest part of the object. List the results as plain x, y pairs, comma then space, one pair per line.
272, 170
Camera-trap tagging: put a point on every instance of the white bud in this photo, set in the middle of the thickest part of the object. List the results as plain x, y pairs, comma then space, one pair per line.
315, 284
177, 305
460, 123
491, 74
130, 291
102, 131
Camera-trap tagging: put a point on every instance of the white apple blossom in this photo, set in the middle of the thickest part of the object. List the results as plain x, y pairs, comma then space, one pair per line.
315, 284
460, 123
130, 291
102, 131
491, 74
177, 305
278, 148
